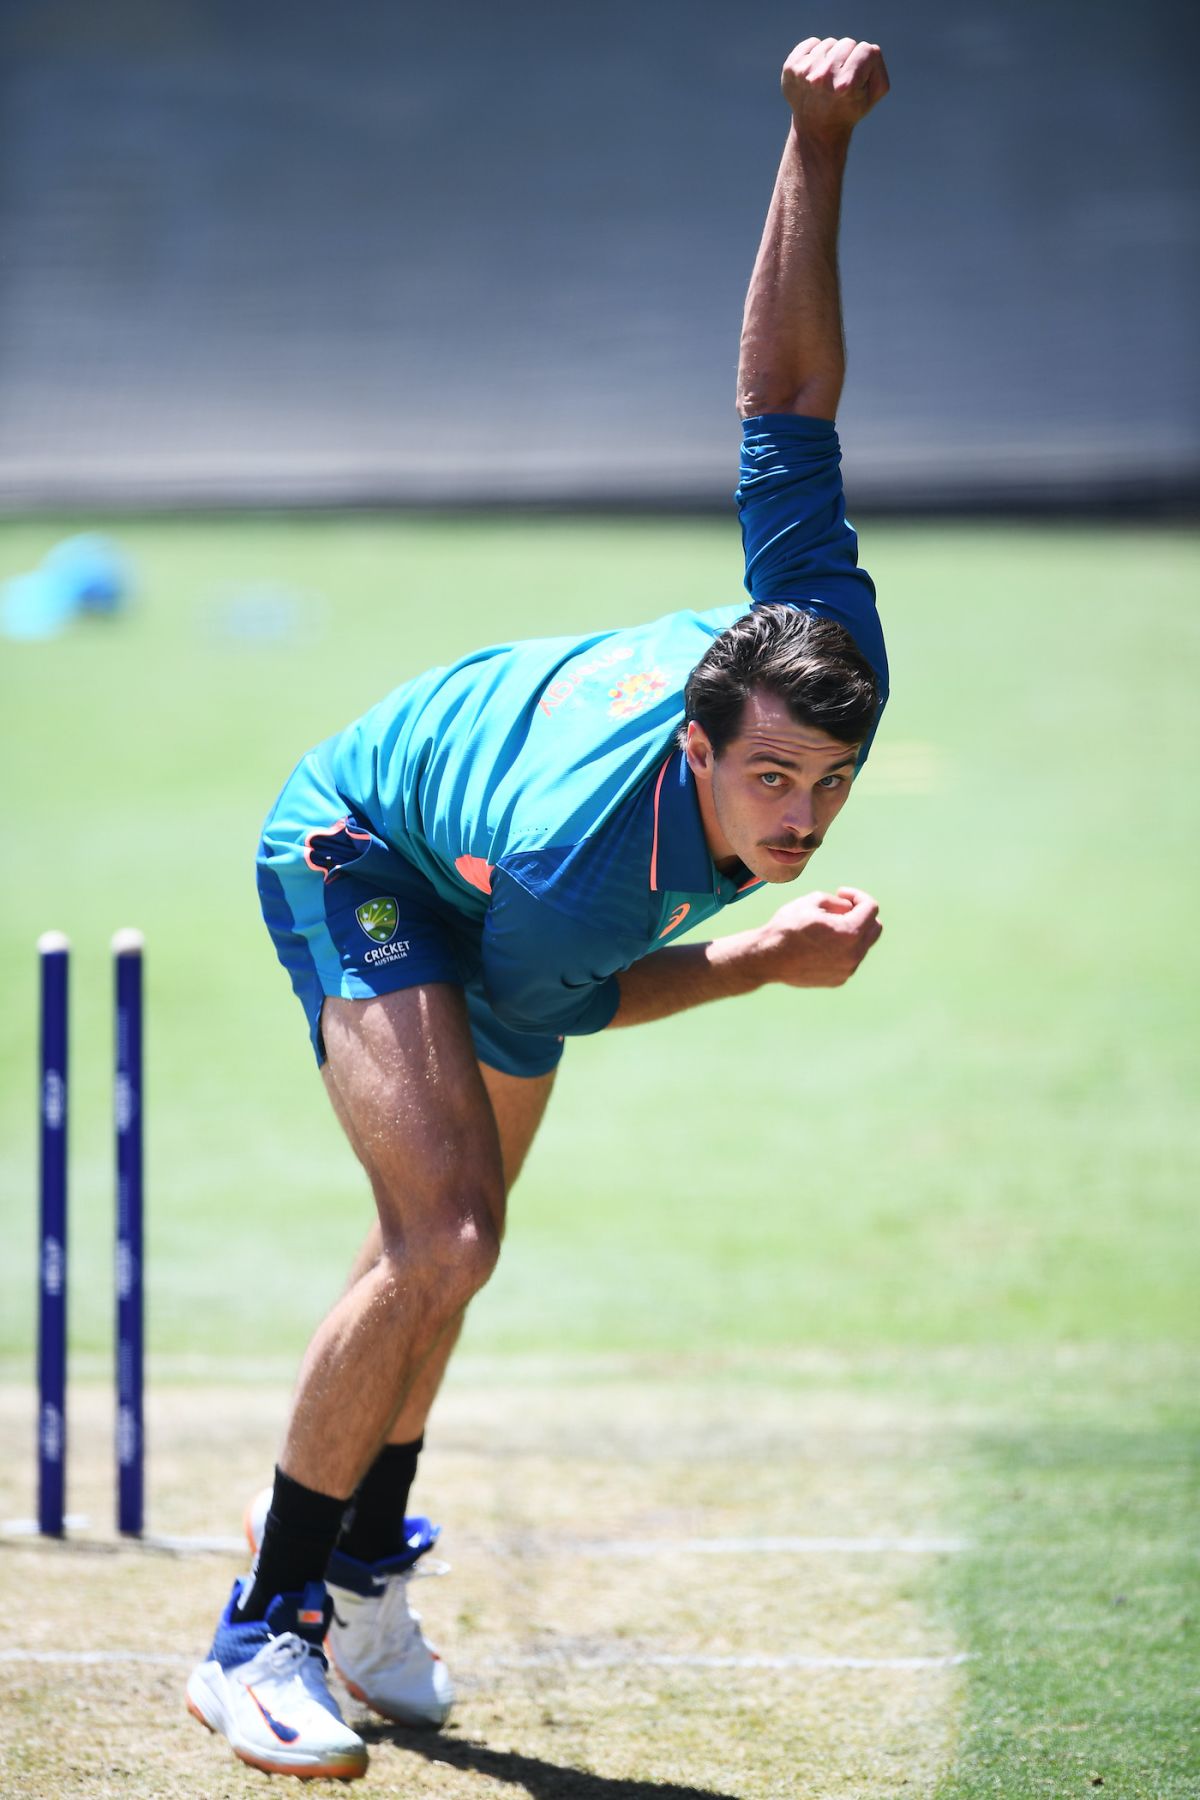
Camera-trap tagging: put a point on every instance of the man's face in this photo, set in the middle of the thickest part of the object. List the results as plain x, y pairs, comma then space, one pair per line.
773, 792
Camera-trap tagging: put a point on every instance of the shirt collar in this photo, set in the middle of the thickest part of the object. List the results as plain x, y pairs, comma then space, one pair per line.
680, 862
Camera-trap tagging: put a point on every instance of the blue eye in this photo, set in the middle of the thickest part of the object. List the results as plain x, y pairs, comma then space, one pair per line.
770, 777
830, 781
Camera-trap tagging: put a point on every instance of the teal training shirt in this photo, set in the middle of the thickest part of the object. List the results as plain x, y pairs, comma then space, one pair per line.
537, 785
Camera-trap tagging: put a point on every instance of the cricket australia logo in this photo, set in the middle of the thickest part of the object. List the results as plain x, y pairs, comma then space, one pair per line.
379, 918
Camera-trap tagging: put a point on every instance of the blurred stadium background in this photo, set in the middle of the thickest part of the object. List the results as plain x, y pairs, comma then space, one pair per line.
265, 269
477, 253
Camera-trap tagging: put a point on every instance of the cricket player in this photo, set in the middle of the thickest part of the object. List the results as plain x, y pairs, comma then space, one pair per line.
497, 858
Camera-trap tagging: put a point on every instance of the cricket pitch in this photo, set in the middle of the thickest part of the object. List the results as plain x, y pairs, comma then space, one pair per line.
665, 1583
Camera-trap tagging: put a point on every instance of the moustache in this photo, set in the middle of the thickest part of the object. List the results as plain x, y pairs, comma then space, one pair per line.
812, 842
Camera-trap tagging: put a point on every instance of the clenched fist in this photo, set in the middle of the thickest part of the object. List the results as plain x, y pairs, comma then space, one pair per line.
820, 939
832, 83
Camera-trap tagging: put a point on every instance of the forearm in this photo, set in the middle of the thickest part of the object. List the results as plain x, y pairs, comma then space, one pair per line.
793, 355
687, 975
817, 941
792, 349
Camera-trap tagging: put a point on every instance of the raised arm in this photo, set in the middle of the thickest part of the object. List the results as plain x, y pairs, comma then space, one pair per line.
793, 354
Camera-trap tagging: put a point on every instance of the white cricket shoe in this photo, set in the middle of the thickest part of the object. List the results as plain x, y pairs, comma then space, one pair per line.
375, 1639
263, 1688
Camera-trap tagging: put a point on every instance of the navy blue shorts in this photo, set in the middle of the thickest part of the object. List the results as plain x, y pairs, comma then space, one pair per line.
350, 916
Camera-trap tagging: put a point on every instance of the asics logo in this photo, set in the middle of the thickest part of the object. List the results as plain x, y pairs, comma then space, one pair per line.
677, 917
287, 1734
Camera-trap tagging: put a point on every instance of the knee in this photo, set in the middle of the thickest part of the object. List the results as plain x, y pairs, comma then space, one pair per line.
459, 1256
466, 1250
451, 1253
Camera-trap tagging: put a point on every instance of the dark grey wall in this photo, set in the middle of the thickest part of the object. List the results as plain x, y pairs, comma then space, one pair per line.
472, 251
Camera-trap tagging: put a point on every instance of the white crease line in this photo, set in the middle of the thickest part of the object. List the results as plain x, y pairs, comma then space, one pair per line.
551, 1658
540, 1660
150, 1540
773, 1546
547, 1545
162, 1541
31, 1528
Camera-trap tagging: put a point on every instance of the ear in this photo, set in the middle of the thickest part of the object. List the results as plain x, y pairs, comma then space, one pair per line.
699, 752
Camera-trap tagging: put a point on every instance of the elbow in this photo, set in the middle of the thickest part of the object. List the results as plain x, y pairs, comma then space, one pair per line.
815, 399
785, 387
749, 406
761, 391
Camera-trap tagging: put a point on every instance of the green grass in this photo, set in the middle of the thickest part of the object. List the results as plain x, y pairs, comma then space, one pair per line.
984, 1138
978, 1157
1080, 1602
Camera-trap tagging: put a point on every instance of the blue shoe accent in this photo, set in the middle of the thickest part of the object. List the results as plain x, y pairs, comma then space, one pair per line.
369, 1578
236, 1642
307, 1615
287, 1734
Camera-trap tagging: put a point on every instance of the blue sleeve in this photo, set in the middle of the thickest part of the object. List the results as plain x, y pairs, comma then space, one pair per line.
542, 970
800, 547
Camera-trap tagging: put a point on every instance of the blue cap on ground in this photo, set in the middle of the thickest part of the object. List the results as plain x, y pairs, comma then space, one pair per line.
80, 574
94, 571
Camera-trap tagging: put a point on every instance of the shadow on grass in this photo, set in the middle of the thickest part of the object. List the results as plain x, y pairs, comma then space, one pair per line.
542, 1780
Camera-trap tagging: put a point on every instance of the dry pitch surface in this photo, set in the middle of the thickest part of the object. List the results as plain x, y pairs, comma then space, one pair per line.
618, 1619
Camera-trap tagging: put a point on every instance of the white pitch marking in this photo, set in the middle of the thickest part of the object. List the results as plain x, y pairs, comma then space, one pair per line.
631, 1547
617, 1660
542, 1660
31, 1528
775, 1546
185, 1545
180, 1546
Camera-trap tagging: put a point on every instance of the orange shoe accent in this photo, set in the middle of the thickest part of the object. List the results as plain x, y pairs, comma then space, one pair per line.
249, 1535
349, 1770
343, 1771
197, 1714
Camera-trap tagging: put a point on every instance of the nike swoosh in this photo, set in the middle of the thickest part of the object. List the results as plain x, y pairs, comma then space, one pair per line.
287, 1734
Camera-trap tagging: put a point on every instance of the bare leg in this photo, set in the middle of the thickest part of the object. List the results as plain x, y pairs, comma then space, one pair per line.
410, 1091
518, 1105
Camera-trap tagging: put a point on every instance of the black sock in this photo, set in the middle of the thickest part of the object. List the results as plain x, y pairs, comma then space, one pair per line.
300, 1532
375, 1518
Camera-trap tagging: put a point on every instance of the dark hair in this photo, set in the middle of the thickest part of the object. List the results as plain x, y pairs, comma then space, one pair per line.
810, 662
